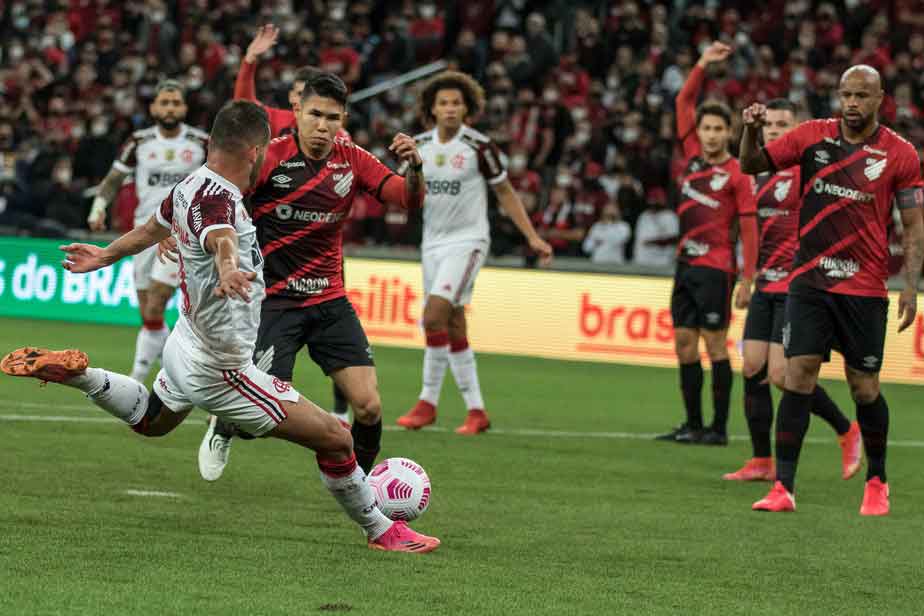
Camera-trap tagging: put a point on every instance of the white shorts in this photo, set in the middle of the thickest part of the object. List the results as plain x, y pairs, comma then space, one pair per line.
449, 271
247, 397
147, 267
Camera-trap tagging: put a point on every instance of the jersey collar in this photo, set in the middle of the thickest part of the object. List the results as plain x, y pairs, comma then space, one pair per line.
160, 136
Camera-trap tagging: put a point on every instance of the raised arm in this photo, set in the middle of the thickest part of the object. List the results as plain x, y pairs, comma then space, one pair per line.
410, 191
751, 155
244, 86
689, 94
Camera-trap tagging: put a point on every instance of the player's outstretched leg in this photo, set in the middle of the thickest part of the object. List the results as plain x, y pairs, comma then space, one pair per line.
117, 394
309, 426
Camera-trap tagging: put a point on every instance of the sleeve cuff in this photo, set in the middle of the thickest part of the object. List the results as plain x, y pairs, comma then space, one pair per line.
499, 179
163, 222
208, 230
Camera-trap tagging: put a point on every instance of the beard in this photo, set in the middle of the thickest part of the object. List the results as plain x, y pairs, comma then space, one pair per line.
167, 123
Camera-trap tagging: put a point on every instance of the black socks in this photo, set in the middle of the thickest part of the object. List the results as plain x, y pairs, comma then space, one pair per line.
691, 385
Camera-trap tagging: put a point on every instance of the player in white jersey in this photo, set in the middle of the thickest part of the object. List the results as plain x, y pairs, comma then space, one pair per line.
158, 156
207, 359
458, 161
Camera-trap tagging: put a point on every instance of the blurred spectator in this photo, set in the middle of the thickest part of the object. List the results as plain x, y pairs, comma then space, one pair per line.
338, 57
427, 30
606, 241
557, 224
541, 48
656, 232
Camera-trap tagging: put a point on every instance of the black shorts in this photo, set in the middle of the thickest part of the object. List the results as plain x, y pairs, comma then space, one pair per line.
765, 317
701, 298
818, 321
331, 331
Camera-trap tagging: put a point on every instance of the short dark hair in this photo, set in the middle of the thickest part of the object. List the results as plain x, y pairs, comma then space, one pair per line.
714, 108
169, 85
325, 85
306, 73
782, 104
472, 93
239, 125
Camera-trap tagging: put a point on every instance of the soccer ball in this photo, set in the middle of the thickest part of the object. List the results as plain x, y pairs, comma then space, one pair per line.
401, 487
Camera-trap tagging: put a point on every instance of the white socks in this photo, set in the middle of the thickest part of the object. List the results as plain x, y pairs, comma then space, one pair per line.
436, 357
117, 394
465, 372
347, 483
148, 347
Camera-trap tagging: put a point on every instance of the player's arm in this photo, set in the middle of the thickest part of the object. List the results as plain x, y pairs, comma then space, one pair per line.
232, 282
409, 191
105, 194
910, 202
81, 258
509, 201
747, 223
244, 86
689, 94
751, 155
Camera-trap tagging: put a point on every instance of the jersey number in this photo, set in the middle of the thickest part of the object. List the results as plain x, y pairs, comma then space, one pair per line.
444, 187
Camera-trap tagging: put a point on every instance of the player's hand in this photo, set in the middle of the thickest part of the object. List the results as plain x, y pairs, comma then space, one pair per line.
907, 308
235, 284
167, 251
82, 258
541, 248
266, 37
755, 115
404, 147
716, 52
97, 221
743, 294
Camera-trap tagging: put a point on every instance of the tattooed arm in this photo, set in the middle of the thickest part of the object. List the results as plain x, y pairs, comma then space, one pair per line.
909, 203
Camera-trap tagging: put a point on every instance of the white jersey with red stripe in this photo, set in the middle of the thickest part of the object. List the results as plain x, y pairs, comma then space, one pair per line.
218, 332
456, 172
159, 162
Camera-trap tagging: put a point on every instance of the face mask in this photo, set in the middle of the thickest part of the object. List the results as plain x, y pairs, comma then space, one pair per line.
563, 180
550, 96
77, 131
654, 100
581, 138
67, 40
16, 53
337, 13
427, 11
289, 28
518, 163
158, 16
798, 79
98, 129
21, 22
288, 76
630, 135
578, 114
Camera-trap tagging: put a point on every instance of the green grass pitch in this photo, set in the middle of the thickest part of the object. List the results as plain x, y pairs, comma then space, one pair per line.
565, 508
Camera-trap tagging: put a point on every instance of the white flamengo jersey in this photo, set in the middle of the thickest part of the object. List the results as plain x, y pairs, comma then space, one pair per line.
159, 163
456, 205
218, 331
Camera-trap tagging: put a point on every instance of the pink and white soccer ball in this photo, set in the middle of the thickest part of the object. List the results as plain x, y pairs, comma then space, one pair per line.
401, 487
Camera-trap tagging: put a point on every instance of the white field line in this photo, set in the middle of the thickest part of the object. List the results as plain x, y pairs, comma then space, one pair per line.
152, 493
518, 432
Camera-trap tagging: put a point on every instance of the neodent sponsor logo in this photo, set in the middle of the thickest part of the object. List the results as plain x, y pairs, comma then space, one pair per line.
692, 193
826, 188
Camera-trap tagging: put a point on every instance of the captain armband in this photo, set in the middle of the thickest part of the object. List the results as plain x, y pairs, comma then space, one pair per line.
908, 198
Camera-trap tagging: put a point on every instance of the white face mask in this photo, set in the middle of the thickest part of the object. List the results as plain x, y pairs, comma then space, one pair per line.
427, 11
518, 163
563, 180
98, 129
630, 135
64, 175
16, 53
77, 131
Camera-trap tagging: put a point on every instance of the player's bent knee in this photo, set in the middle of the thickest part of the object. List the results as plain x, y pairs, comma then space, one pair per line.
751, 368
778, 376
158, 420
336, 443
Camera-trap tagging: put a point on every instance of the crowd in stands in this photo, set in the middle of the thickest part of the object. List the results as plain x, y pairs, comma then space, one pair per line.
579, 94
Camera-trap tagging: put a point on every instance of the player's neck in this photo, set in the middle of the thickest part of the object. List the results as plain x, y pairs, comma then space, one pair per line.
718, 158
447, 133
229, 168
314, 153
852, 136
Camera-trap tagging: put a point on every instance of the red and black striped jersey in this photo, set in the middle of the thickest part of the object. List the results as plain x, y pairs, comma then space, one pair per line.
300, 206
713, 199
777, 197
847, 191
717, 201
